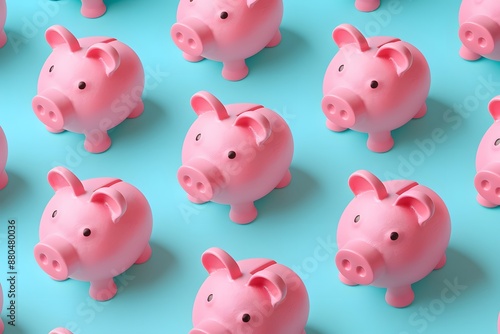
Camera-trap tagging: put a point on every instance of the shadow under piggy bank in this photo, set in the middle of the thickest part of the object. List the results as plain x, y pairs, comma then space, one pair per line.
446, 285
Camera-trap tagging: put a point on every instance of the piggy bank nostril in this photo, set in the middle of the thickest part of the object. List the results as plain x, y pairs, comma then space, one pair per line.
482, 42
56, 265
331, 108
43, 258
346, 264
485, 185
201, 187
52, 116
497, 192
344, 114
187, 180
40, 109
360, 271
179, 36
469, 35
192, 43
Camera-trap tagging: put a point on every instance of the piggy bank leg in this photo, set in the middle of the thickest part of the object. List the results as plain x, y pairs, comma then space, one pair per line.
52, 130
192, 59
3, 38
334, 127
285, 180
399, 297
234, 70
367, 5
103, 289
93, 8
484, 202
146, 254
380, 142
467, 54
137, 111
421, 113
97, 141
441, 262
195, 200
346, 281
4, 179
275, 41
243, 213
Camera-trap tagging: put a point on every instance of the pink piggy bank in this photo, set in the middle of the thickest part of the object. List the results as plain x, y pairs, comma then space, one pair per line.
4, 179
479, 29
253, 296
487, 179
227, 31
374, 85
367, 5
234, 155
88, 86
93, 230
391, 235
3, 17
60, 330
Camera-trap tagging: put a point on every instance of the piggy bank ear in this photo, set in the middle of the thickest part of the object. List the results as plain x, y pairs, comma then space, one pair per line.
273, 284
203, 102
494, 108
398, 54
113, 199
363, 181
214, 259
257, 123
420, 203
60, 177
251, 3
107, 54
346, 34
59, 36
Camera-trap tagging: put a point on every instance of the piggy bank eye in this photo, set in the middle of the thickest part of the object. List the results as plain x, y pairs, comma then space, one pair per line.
82, 85
51, 68
246, 317
54, 214
357, 218
497, 142
374, 84
86, 232
224, 15
210, 297
231, 155
394, 236
341, 68
198, 136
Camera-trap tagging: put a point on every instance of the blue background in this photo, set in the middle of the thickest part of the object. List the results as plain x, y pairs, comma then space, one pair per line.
296, 225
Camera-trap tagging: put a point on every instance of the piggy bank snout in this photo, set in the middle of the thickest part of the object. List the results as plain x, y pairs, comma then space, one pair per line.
359, 262
341, 107
200, 179
191, 36
480, 34
487, 183
56, 257
52, 108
